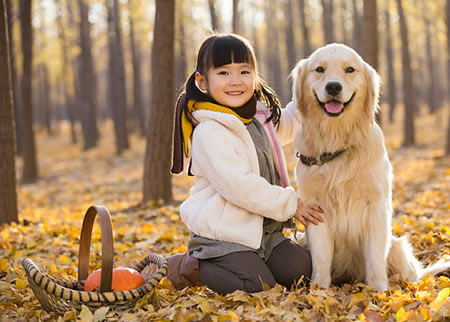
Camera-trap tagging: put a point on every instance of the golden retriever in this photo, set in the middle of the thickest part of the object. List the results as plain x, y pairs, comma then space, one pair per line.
344, 167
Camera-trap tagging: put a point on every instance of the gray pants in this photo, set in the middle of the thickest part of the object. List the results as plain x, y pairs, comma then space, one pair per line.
246, 270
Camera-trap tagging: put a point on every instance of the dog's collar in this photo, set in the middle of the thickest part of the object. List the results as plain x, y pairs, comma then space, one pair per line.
319, 160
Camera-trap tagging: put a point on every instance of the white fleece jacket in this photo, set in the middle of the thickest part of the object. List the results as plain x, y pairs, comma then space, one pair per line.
229, 199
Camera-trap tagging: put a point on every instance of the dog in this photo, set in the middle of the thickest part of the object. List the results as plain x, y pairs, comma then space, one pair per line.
344, 167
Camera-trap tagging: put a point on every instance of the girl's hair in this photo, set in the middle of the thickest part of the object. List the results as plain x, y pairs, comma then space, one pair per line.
223, 49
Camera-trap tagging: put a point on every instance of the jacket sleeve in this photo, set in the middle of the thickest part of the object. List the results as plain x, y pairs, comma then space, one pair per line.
215, 158
289, 123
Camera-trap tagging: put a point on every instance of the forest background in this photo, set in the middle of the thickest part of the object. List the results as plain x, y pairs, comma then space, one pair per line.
87, 90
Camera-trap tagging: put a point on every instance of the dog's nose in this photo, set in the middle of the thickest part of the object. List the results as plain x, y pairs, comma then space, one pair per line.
333, 88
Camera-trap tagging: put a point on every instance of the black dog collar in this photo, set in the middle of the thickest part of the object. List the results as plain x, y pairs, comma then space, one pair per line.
319, 160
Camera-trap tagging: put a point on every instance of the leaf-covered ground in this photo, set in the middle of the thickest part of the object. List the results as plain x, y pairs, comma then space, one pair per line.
51, 213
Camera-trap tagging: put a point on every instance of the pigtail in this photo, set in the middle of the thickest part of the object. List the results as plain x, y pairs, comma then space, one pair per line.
269, 97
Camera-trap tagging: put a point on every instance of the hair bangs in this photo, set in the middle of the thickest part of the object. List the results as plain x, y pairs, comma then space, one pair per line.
229, 49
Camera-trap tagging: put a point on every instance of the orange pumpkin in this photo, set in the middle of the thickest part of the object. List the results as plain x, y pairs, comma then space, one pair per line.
124, 278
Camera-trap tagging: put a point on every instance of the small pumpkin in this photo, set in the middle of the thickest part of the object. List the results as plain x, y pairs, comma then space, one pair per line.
123, 279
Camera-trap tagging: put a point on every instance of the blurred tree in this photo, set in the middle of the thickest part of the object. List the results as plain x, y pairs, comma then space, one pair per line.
17, 97
87, 82
68, 101
343, 18
290, 37
136, 57
357, 27
273, 49
116, 79
157, 178
307, 48
8, 194
408, 86
433, 88
213, 14
180, 50
328, 25
236, 17
30, 169
43, 97
447, 15
392, 91
370, 44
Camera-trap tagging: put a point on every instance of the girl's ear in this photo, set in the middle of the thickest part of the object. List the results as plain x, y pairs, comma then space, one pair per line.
200, 82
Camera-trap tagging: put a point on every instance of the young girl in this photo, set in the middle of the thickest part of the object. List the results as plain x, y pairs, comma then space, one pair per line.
241, 196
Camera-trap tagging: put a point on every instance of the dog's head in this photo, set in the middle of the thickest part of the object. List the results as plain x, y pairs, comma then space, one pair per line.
335, 82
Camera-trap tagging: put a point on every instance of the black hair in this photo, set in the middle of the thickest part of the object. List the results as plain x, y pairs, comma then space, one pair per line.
223, 49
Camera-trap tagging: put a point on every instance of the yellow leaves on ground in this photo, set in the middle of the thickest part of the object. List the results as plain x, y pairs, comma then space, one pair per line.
51, 213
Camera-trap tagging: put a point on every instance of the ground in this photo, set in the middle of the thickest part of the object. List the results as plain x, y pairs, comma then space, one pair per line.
51, 212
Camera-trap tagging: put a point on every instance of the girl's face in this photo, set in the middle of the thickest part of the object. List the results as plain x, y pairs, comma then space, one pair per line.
231, 85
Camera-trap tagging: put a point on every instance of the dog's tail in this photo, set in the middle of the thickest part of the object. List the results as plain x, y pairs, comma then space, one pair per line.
401, 260
440, 266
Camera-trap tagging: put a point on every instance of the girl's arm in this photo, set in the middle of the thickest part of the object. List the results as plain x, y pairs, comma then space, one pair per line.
214, 158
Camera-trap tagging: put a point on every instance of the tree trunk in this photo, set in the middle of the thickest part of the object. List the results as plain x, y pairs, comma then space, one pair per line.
44, 104
357, 32
157, 179
273, 50
370, 44
290, 37
15, 84
447, 148
392, 91
328, 26
8, 194
236, 17
87, 83
307, 48
117, 91
30, 169
138, 103
65, 72
180, 50
432, 95
213, 14
343, 18
408, 86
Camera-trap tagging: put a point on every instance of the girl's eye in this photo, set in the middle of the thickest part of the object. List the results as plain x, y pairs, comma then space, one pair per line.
349, 70
320, 69
245, 72
223, 73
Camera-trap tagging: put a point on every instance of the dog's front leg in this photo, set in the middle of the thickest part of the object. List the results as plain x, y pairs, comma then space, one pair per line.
376, 248
321, 247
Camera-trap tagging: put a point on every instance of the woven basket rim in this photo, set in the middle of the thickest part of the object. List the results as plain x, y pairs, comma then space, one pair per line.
60, 289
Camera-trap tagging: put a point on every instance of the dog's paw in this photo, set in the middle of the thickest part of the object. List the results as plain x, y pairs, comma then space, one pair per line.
381, 285
323, 280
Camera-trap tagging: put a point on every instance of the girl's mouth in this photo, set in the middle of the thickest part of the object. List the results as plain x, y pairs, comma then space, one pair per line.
235, 93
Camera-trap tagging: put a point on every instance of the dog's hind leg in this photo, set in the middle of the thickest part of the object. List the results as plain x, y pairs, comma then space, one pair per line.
402, 261
321, 247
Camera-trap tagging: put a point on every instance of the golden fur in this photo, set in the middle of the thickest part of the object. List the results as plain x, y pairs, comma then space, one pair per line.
354, 189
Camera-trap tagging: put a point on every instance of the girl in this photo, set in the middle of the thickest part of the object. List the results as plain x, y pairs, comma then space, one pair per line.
241, 196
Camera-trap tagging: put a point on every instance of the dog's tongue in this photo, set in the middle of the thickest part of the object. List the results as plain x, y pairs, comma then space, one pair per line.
334, 107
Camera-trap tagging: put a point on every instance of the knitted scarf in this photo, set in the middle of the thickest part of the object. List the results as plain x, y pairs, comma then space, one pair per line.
183, 127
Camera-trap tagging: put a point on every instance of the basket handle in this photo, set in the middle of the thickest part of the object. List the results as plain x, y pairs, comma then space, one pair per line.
107, 246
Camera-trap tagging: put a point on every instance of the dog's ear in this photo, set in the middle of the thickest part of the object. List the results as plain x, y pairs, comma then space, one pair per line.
373, 91
297, 76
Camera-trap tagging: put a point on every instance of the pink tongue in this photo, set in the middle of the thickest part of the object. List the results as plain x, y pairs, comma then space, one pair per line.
334, 107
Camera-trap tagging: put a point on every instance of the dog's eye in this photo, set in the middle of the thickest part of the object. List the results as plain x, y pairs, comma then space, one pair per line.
320, 69
349, 70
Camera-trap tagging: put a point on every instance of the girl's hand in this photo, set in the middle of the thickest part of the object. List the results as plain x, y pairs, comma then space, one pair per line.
306, 214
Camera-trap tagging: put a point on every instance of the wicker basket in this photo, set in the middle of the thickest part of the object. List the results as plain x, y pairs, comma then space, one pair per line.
61, 296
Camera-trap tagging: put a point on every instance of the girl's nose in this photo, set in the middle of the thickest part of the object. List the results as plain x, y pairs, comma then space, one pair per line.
235, 79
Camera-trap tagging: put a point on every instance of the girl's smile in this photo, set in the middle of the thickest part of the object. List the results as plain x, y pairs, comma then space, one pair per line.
231, 85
